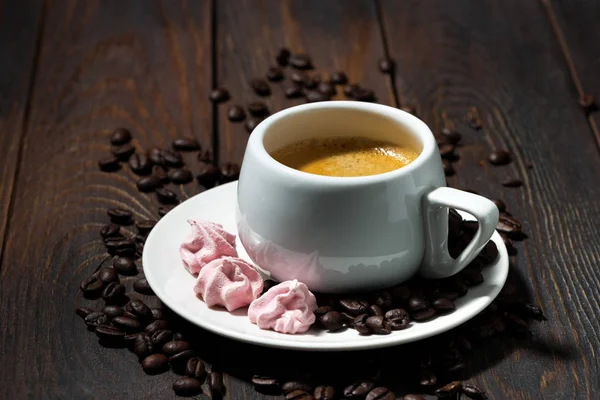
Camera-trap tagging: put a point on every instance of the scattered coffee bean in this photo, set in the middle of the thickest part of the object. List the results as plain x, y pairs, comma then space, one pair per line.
113, 311
158, 313
113, 292
155, 364
140, 164
161, 173
264, 382
499, 157
448, 167
155, 156
586, 101
326, 88
312, 97
513, 183
293, 386
110, 230
148, 183
141, 286
229, 172
179, 360
145, 226
386, 65
141, 311
358, 389
508, 225
84, 312
172, 158
187, 387
350, 89
251, 124
417, 303
127, 324
472, 277
374, 309
119, 215
258, 109
324, 393
215, 384
109, 164
354, 306
208, 175
300, 61
219, 95
166, 196
449, 390
236, 113
332, 321
453, 137
159, 338
298, 78
260, 87
120, 136
427, 379
109, 333
380, 393
411, 396
123, 248
180, 176
283, 56
125, 266
362, 94
500, 204
293, 91
423, 315
447, 150
186, 144
123, 152
473, 392
378, 325
298, 395
158, 325
95, 319
195, 368
91, 286
443, 305
173, 347
397, 319
360, 324
274, 74
108, 275
338, 78
383, 299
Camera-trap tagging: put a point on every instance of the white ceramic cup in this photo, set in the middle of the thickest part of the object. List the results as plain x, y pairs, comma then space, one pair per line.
339, 234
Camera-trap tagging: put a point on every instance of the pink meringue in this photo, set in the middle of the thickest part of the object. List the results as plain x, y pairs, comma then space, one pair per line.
206, 242
230, 282
287, 308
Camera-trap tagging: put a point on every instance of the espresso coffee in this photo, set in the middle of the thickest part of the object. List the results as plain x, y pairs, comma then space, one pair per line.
345, 156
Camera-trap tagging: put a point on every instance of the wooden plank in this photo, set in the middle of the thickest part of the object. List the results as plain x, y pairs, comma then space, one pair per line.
102, 64
502, 59
19, 27
338, 35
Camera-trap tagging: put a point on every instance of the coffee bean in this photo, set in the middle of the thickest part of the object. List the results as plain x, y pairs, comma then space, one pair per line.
397, 319
472, 277
159, 338
378, 325
195, 368
180, 176
326, 88
293, 386
417, 303
127, 324
145, 226
324, 393
499, 157
109, 164
155, 156
219, 95
251, 124
158, 325
298, 395
500, 204
95, 319
473, 392
449, 390
362, 94
451, 136
338, 78
332, 321
427, 379
354, 306
258, 109
125, 266
260, 87
174, 347
141, 311
386, 65
186, 144
236, 113
166, 196
360, 324
512, 183
123, 152
508, 225
91, 286
163, 210
125, 248
119, 215
109, 333
215, 384
380, 393
443, 305
229, 172
113, 292
120, 136
322, 310
586, 101
155, 364
300, 61
358, 389
141, 286
264, 382
160, 173
157, 313
383, 299
113, 311
528, 311
448, 167
283, 56
293, 91
411, 396
350, 89
312, 97
187, 387
374, 309
108, 275
409, 109
172, 158
83, 312
298, 78
423, 315
140, 164
275, 74
208, 175
447, 150
110, 230
179, 360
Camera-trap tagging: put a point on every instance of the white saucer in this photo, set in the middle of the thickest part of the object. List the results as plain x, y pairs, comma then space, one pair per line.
173, 285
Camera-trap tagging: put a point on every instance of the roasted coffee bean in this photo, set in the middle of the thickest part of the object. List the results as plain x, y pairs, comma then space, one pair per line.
141, 311
332, 321
283, 56
359, 389
258, 109
157, 313
113, 311
447, 150
586, 101
113, 292
452, 136
508, 225
186, 144
313, 97
260, 87
423, 315
324, 393
175, 346
417, 303
187, 387
91, 286
293, 91
180, 176
125, 248
155, 156
236, 113
362, 94
499, 157
473, 392
338, 78
94, 319
360, 324
448, 167
215, 384
205, 156
119, 215
158, 325
208, 175
160, 173
380, 393
350, 89
397, 319
155, 364
159, 338
229, 172
386, 65
110, 230
84, 312
443, 305
145, 226
179, 360
527, 310
512, 183
140, 164
127, 324
109, 164
300, 61
274, 74
166, 196
163, 210
172, 158
195, 368
298, 78
409, 109
120, 136
141, 286
264, 382
378, 325
293, 386
383, 299
412, 396
298, 395
178, 336
326, 88
123, 152
472, 277
219, 95
125, 266
312, 82
109, 333
251, 124
354, 306
374, 309
449, 390
322, 310
108, 275
427, 379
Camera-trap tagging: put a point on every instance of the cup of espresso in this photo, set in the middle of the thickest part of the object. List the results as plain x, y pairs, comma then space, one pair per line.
351, 196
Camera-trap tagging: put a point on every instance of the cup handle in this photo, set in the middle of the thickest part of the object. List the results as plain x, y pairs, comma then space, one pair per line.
437, 262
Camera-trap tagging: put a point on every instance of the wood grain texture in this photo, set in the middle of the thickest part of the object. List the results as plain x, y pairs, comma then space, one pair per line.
338, 35
502, 59
19, 27
102, 64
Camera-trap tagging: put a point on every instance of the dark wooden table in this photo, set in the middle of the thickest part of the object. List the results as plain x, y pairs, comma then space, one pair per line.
72, 71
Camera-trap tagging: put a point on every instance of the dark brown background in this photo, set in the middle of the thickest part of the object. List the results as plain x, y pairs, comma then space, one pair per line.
71, 71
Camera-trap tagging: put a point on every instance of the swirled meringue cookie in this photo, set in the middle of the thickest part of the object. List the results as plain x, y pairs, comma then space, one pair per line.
206, 242
229, 282
286, 308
